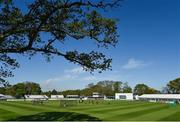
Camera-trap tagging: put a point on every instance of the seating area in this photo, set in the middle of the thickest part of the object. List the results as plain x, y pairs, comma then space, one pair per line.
56, 97
6, 97
164, 98
35, 97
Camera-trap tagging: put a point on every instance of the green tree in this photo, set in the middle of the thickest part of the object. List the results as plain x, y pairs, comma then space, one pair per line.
48, 93
71, 92
2, 90
20, 89
21, 31
117, 87
152, 91
174, 86
3, 83
10, 91
141, 89
144, 89
107, 87
54, 92
32, 88
90, 85
126, 88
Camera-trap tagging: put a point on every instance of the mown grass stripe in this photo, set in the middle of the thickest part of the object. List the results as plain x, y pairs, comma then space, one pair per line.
133, 115
39, 108
106, 113
87, 106
172, 117
117, 110
97, 107
13, 109
118, 113
6, 114
108, 110
158, 115
24, 107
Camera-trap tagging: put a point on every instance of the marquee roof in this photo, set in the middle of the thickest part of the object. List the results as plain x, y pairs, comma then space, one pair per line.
35, 96
161, 96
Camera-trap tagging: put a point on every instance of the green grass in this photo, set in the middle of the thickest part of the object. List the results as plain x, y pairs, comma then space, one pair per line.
103, 110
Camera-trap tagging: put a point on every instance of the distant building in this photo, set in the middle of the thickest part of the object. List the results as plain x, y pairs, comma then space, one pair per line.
56, 97
109, 97
9, 97
124, 96
96, 96
72, 96
84, 98
6, 97
35, 97
2, 97
136, 97
165, 98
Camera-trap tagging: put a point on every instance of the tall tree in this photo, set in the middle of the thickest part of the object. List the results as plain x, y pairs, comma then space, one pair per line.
32, 88
174, 86
126, 88
21, 31
3, 83
165, 90
106, 87
20, 89
2, 90
54, 92
144, 89
117, 86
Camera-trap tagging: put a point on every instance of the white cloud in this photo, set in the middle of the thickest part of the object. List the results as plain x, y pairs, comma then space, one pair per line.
78, 70
76, 78
88, 78
134, 64
68, 75
52, 82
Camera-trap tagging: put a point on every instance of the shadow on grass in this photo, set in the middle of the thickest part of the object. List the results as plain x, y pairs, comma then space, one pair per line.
53, 116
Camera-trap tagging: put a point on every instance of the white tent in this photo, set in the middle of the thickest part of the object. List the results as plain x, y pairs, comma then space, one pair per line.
36, 97
56, 97
2, 97
5, 97
167, 98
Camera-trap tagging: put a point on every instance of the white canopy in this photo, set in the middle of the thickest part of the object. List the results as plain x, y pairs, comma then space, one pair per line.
160, 96
35, 96
57, 96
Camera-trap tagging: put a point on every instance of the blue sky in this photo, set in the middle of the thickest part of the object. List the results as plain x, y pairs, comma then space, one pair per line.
148, 50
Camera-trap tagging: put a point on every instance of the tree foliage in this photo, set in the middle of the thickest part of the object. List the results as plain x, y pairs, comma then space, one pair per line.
144, 89
126, 88
21, 31
174, 86
54, 92
20, 89
3, 83
107, 87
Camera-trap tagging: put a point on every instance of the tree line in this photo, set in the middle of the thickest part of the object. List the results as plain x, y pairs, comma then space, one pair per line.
107, 87
20, 89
